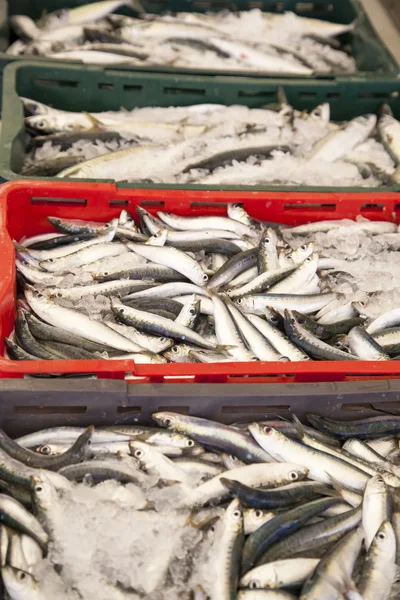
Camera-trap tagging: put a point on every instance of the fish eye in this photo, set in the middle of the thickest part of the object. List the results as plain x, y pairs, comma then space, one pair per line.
308, 259
163, 339
168, 421
381, 535
59, 294
41, 124
138, 453
106, 273
267, 429
190, 443
205, 277
303, 247
254, 584
293, 475
21, 575
258, 514
107, 225
38, 489
51, 260
267, 241
192, 311
122, 311
237, 514
212, 528
286, 247
292, 320
239, 301
45, 450
175, 349
300, 320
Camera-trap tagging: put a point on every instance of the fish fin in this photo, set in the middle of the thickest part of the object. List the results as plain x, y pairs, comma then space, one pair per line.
224, 347
299, 426
136, 5
335, 484
20, 247
383, 410
206, 523
96, 124
385, 109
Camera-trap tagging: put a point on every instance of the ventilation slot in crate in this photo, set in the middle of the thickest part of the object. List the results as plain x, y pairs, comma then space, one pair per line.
133, 88
59, 201
156, 203
249, 409
309, 206
372, 207
49, 410
119, 203
186, 91
56, 82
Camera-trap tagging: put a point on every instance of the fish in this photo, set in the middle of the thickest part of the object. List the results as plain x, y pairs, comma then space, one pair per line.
204, 493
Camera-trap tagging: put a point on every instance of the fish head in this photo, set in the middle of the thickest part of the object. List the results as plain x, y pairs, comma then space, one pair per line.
43, 123
126, 220
177, 352
290, 322
254, 518
321, 113
234, 515
269, 240
376, 486
385, 541
142, 452
366, 122
20, 584
246, 304
166, 419
302, 252
44, 493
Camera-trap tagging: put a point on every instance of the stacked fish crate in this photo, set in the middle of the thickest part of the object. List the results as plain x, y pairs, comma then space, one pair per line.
199, 238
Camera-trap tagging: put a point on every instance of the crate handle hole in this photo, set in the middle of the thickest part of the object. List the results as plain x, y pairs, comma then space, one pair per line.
49, 410
205, 204
309, 206
159, 203
59, 201
119, 203
249, 409
106, 86
181, 90
373, 207
129, 410
256, 94
133, 88
183, 410
56, 82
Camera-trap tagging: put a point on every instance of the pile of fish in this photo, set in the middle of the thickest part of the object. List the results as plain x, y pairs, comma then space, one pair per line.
195, 510
208, 289
213, 144
229, 41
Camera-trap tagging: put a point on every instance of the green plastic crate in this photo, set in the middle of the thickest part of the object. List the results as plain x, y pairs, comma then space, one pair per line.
95, 89
372, 57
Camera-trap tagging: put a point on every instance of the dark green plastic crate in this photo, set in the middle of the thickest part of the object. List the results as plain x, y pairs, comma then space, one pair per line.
372, 57
95, 89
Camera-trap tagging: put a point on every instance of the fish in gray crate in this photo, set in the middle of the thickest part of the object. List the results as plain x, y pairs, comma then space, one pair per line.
191, 508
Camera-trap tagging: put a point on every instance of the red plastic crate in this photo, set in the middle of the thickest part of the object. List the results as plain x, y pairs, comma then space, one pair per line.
25, 205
